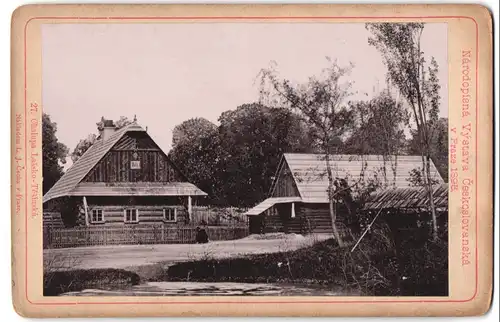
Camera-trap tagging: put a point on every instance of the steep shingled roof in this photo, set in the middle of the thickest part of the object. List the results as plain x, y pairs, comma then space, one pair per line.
310, 173
86, 162
68, 183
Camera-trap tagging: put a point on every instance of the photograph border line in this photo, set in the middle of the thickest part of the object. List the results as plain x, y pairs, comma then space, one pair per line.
241, 18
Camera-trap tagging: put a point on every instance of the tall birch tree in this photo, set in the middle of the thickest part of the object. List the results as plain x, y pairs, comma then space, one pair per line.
417, 82
322, 103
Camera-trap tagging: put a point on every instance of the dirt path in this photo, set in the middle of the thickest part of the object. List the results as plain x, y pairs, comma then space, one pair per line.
125, 256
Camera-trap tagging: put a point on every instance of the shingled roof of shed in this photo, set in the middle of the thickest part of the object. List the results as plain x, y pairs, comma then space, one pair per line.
408, 198
310, 174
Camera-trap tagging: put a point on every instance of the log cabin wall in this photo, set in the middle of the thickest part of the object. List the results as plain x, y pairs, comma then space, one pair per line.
150, 210
117, 165
317, 216
272, 223
278, 219
309, 218
148, 215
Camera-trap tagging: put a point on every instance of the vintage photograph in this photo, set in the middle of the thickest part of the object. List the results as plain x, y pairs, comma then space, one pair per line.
245, 158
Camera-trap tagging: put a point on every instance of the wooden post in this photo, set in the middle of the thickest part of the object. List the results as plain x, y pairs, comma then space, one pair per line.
86, 211
367, 229
190, 208
293, 209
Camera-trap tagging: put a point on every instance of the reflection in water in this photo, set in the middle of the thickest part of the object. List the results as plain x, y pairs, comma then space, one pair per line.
219, 289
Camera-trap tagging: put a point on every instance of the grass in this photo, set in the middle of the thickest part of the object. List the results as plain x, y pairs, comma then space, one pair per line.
59, 282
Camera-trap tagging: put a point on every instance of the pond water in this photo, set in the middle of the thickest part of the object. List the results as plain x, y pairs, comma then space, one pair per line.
212, 289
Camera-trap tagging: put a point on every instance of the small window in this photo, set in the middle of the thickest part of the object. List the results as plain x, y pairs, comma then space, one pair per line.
131, 215
97, 216
170, 214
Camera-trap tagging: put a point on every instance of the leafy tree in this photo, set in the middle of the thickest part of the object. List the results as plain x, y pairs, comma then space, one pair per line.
379, 129
321, 103
234, 162
416, 178
417, 81
192, 128
438, 145
84, 144
54, 153
121, 122
195, 151
253, 139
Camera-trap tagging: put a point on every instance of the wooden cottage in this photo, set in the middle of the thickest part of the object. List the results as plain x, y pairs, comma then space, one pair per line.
298, 198
124, 178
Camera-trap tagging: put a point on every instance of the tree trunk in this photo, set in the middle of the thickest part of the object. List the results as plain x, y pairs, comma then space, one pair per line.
333, 216
426, 174
333, 212
431, 198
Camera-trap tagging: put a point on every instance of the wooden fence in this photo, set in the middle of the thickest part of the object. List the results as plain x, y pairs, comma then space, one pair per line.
217, 216
94, 236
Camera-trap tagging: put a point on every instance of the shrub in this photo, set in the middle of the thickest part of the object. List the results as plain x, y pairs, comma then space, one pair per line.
416, 267
424, 269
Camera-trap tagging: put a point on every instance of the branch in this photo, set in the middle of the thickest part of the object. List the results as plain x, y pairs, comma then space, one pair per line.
297, 102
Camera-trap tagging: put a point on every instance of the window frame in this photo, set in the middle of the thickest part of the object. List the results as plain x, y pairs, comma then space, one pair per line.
136, 215
92, 216
165, 213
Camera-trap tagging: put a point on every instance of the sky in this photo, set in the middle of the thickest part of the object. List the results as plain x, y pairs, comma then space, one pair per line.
166, 73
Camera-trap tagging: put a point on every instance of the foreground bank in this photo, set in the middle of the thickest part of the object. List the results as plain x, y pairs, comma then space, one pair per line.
375, 267
416, 272
102, 267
